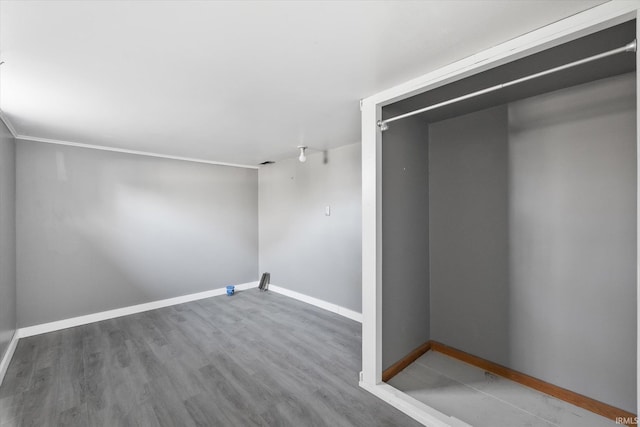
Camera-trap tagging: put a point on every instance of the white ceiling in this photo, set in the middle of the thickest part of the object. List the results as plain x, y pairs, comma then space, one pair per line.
237, 82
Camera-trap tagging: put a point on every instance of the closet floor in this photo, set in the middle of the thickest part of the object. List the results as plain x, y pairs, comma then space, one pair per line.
486, 400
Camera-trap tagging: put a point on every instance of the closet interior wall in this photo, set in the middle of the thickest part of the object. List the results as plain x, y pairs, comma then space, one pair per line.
468, 222
405, 233
573, 259
509, 228
533, 237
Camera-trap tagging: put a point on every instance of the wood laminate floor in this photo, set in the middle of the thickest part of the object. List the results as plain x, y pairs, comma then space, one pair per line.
255, 358
486, 400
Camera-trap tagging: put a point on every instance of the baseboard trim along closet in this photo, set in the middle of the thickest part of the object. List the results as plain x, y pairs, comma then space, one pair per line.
124, 311
334, 308
417, 410
397, 367
595, 406
8, 355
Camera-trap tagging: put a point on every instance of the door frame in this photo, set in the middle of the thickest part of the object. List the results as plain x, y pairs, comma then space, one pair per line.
576, 26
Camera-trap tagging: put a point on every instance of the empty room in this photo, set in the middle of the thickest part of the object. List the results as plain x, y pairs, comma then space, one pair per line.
319, 213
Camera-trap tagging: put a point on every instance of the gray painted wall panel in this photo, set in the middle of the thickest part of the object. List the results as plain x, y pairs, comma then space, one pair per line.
405, 236
469, 225
568, 312
7, 238
573, 239
101, 230
303, 249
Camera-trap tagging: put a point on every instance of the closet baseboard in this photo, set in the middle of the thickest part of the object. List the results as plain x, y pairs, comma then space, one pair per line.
397, 367
595, 406
569, 396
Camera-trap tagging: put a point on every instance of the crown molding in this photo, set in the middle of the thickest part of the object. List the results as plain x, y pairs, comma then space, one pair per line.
19, 137
126, 151
8, 124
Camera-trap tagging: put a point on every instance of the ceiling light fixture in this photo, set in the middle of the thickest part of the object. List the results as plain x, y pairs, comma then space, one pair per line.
303, 157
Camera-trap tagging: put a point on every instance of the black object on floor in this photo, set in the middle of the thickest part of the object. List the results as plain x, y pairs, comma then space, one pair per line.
264, 282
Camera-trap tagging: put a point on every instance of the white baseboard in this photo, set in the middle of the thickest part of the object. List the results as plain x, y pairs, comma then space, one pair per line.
426, 415
139, 308
6, 359
124, 311
334, 308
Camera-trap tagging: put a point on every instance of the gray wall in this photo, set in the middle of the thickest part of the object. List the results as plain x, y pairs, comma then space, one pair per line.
303, 249
100, 230
570, 172
405, 237
7, 238
572, 156
469, 225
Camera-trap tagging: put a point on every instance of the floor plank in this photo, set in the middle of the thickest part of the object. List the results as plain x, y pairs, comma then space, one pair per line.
255, 358
486, 400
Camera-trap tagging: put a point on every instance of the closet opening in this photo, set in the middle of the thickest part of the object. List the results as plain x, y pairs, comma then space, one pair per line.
507, 252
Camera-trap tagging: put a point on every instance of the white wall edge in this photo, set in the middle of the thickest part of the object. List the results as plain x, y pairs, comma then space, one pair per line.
334, 308
371, 243
8, 355
124, 150
417, 410
124, 311
8, 123
637, 227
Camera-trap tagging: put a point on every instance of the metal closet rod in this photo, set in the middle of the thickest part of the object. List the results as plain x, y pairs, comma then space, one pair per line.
630, 47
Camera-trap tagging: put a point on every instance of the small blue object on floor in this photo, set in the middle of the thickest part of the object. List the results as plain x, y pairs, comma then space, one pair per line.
231, 290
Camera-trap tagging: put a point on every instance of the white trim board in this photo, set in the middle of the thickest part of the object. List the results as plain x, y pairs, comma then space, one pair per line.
44, 328
19, 137
412, 407
8, 355
124, 311
334, 308
124, 150
139, 308
8, 124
